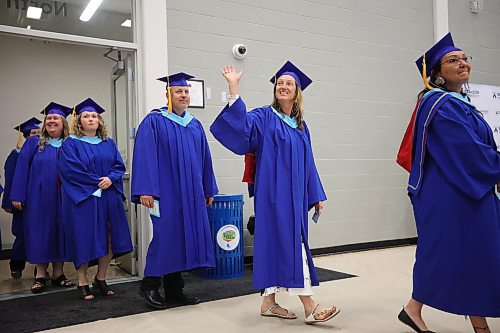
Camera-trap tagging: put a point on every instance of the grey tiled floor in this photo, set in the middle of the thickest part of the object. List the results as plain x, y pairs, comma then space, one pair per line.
370, 304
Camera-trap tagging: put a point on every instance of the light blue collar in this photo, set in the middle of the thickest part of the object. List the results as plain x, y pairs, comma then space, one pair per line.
92, 140
183, 121
286, 119
18, 150
56, 143
462, 98
454, 94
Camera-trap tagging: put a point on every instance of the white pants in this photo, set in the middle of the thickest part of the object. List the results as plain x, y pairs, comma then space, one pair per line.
306, 291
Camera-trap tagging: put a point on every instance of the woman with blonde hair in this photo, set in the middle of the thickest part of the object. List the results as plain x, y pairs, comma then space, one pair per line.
35, 191
287, 186
95, 224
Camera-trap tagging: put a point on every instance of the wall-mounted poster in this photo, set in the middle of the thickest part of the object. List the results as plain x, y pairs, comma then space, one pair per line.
487, 101
197, 93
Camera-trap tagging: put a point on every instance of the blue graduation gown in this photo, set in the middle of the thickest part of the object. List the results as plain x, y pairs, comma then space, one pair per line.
18, 252
457, 212
35, 185
172, 163
287, 185
87, 218
1, 192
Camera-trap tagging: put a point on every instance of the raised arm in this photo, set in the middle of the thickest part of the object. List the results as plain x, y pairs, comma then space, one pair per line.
235, 128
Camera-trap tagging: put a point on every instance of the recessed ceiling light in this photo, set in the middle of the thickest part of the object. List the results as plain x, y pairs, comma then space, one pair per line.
127, 23
89, 11
28, 27
34, 13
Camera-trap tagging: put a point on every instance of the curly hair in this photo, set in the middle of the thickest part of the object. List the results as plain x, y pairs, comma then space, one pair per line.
77, 128
45, 137
297, 108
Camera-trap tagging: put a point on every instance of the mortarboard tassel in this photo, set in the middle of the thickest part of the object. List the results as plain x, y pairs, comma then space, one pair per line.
424, 73
169, 94
19, 143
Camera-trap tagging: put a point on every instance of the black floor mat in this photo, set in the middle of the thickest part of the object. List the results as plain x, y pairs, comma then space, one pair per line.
47, 311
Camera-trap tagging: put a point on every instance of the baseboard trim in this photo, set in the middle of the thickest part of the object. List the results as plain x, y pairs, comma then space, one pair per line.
356, 247
5, 254
364, 246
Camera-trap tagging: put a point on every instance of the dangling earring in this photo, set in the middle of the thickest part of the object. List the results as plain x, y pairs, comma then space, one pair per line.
440, 81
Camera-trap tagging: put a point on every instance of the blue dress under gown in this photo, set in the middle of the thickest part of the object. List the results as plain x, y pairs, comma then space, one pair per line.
287, 186
1, 192
93, 219
455, 169
172, 163
35, 185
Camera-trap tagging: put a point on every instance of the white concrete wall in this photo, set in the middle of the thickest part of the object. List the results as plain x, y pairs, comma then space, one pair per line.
360, 55
479, 36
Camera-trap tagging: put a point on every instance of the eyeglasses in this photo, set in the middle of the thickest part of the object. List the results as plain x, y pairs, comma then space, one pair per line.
456, 60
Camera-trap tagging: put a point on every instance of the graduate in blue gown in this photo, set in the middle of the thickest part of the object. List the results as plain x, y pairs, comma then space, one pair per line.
94, 220
455, 168
173, 176
287, 186
1, 192
36, 192
18, 254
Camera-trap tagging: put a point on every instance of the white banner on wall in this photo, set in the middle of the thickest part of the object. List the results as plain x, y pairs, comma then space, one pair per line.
487, 101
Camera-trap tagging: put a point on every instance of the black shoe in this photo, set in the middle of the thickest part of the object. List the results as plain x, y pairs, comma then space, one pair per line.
180, 297
16, 274
405, 319
153, 298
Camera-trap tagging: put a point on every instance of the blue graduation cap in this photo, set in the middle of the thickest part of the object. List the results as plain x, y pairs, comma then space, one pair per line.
435, 53
28, 125
178, 79
55, 108
303, 81
88, 105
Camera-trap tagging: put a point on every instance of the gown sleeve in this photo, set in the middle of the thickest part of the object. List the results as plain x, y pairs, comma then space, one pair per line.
239, 130
209, 183
22, 171
315, 191
145, 162
472, 166
77, 180
118, 168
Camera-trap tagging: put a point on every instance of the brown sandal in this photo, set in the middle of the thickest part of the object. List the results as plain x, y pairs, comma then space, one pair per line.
314, 317
269, 313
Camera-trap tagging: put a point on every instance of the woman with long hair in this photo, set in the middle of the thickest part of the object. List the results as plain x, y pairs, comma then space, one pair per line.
35, 192
287, 186
95, 224
455, 167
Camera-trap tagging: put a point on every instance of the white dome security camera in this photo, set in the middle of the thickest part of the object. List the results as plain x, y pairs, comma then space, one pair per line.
239, 51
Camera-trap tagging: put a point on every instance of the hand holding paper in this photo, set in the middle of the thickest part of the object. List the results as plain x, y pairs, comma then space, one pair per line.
317, 211
147, 201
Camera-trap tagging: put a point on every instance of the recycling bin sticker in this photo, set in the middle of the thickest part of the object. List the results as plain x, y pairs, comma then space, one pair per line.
228, 237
